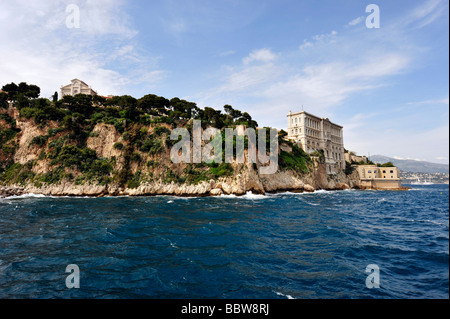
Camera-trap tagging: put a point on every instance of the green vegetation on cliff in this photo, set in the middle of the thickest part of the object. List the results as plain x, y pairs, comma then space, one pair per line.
141, 150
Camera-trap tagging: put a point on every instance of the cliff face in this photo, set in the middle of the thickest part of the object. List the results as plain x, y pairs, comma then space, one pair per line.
51, 160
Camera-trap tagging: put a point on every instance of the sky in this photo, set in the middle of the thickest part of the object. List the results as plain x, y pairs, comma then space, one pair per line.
388, 86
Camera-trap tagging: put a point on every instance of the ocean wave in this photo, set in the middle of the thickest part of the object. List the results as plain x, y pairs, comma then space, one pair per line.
25, 196
284, 295
248, 195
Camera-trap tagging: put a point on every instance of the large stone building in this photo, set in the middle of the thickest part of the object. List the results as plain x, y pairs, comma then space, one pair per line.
313, 133
374, 177
76, 87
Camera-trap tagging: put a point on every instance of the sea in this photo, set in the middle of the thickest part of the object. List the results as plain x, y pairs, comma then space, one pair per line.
349, 244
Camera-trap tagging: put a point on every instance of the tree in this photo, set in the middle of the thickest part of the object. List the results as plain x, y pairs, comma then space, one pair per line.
3, 100
12, 90
126, 102
55, 97
41, 103
388, 164
98, 100
153, 104
183, 108
28, 91
209, 114
22, 101
80, 103
282, 134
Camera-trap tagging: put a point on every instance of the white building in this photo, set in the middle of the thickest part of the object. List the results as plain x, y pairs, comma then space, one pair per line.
313, 133
76, 87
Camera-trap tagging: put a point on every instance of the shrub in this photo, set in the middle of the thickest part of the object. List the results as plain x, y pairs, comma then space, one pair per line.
7, 135
349, 168
152, 145
136, 157
159, 130
224, 169
100, 170
298, 160
73, 156
152, 163
39, 141
8, 119
52, 177
388, 164
118, 146
97, 117
135, 181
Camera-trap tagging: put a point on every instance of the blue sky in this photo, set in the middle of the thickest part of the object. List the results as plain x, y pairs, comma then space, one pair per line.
387, 86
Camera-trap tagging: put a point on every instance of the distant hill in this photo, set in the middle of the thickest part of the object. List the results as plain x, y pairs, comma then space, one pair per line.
412, 165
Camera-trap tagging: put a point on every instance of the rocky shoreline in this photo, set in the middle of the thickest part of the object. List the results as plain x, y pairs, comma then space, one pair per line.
237, 185
241, 184
7, 191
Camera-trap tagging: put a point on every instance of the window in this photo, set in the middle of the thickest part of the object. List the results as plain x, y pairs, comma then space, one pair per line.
392, 172
370, 172
384, 172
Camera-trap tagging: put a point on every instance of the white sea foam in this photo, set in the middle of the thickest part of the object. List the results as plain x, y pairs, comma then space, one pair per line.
24, 196
283, 295
248, 195
228, 196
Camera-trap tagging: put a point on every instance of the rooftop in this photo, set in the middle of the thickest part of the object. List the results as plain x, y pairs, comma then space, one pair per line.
312, 115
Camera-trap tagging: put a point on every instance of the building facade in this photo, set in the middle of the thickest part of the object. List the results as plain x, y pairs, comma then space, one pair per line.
349, 157
76, 87
313, 133
374, 177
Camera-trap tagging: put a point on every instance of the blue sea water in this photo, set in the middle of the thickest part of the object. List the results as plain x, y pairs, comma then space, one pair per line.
309, 245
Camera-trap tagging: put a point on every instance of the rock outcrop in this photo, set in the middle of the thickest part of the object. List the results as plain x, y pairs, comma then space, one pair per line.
103, 138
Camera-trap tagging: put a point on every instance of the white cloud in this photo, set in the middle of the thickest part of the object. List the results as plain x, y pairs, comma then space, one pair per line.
373, 137
261, 55
306, 44
329, 84
320, 39
40, 49
437, 101
425, 14
227, 53
356, 21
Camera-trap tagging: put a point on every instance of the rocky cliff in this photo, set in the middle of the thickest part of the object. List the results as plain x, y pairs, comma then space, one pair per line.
96, 159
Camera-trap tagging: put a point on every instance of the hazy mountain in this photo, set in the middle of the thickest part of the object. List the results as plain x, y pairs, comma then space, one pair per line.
412, 165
